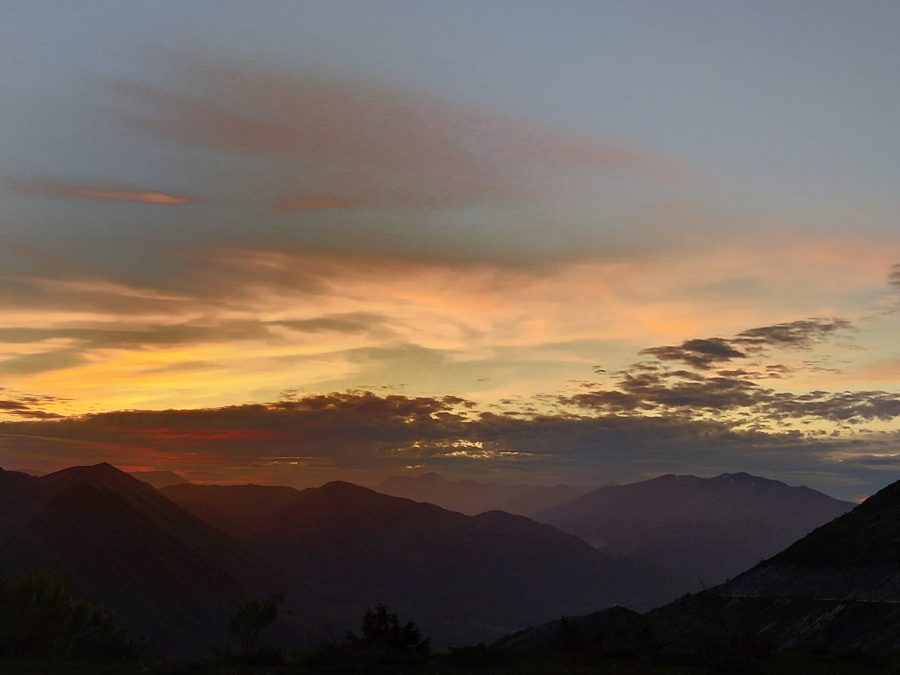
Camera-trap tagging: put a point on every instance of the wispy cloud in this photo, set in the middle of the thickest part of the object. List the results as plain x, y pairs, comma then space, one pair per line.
263, 320
28, 406
53, 188
373, 145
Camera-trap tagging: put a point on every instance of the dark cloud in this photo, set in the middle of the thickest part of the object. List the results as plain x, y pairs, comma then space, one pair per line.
610, 401
853, 407
699, 353
362, 429
653, 388
12, 405
894, 275
705, 353
802, 334
733, 392
366, 436
27, 405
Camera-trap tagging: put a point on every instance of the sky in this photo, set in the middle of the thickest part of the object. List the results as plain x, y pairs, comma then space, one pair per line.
287, 242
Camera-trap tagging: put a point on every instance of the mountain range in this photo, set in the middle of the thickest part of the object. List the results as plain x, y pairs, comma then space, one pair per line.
837, 587
174, 563
705, 530
473, 497
463, 577
171, 578
833, 593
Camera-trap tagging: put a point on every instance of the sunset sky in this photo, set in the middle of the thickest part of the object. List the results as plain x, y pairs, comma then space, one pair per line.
291, 241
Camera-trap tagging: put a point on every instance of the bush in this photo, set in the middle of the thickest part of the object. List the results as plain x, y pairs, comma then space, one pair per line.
42, 619
383, 632
248, 623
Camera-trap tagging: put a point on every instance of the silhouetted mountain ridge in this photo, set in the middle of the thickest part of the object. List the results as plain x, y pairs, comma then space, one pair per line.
463, 577
171, 577
836, 590
472, 497
707, 529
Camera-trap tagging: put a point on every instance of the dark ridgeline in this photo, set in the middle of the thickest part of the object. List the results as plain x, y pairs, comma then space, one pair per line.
833, 593
172, 579
837, 588
175, 564
703, 529
473, 497
463, 578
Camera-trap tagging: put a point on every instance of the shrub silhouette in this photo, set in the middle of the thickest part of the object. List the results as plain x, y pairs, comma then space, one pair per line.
383, 632
252, 617
41, 618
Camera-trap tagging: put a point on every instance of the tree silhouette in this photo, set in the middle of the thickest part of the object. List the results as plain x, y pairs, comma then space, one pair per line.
252, 617
42, 619
383, 632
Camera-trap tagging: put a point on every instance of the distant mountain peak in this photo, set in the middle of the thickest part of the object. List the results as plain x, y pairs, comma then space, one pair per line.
432, 477
101, 469
740, 477
103, 474
744, 477
343, 487
674, 478
709, 528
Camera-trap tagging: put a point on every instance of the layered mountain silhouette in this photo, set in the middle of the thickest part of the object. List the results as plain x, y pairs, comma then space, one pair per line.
174, 563
834, 592
704, 529
837, 588
463, 577
172, 579
473, 497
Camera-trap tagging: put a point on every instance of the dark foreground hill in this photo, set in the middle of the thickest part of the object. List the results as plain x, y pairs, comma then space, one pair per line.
171, 578
837, 588
704, 529
463, 578
834, 592
473, 497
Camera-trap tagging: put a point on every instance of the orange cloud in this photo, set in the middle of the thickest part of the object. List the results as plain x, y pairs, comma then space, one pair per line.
51, 188
240, 320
